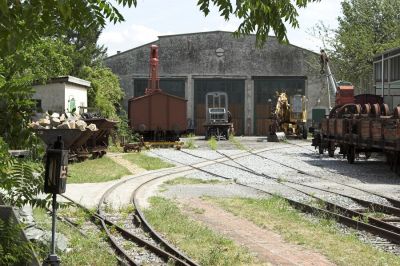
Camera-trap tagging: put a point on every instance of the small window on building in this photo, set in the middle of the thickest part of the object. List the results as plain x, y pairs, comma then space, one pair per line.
395, 68
378, 71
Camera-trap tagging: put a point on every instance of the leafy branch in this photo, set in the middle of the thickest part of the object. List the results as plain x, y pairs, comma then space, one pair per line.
259, 17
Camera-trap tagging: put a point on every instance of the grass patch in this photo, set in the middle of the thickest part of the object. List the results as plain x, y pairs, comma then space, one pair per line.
190, 143
126, 210
281, 179
236, 142
213, 143
191, 181
93, 171
196, 240
322, 235
78, 215
85, 250
376, 215
146, 162
115, 147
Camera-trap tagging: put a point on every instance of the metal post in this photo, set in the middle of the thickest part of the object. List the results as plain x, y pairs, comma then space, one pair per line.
383, 82
329, 93
53, 225
53, 259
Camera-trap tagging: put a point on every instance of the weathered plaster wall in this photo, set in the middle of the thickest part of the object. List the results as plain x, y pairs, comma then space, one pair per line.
195, 55
51, 95
55, 96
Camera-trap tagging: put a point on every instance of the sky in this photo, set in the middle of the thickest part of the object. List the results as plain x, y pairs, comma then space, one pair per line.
153, 18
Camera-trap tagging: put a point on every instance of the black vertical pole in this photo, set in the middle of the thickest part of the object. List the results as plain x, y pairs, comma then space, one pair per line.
53, 225
53, 259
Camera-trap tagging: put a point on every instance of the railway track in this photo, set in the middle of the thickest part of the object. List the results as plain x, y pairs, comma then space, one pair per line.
387, 228
391, 222
158, 250
156, 244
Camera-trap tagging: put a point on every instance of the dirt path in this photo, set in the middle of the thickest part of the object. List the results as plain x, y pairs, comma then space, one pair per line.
134, 169
268, 246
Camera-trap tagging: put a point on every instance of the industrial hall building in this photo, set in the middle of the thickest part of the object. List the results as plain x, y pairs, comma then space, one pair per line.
194, 64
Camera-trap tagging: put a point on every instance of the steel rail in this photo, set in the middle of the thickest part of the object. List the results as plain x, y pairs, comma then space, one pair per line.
357, 224
375, 206
170, 252
126, 234
153, 232
395, 238
76, 227
393, 201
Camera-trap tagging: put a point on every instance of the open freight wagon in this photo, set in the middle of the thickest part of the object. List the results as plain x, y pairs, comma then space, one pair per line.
357, 129
82, 144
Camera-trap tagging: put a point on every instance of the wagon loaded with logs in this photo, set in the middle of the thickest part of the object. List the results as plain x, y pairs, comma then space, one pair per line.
359, 124
84, 137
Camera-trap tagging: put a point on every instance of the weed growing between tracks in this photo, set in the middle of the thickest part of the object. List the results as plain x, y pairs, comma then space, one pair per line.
190, 143
213, 143
94, 171
237, 143
318, 234
146, 162
90, 249
196, 240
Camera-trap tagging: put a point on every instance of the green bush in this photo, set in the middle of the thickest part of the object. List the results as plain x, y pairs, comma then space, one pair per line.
13, 250
20, 181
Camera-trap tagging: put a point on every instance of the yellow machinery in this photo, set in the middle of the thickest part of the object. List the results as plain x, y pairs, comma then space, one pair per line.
290, 117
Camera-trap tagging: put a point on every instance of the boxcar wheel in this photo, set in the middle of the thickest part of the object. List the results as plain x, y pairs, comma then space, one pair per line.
351, 154
320, 149
331, 149
304, 132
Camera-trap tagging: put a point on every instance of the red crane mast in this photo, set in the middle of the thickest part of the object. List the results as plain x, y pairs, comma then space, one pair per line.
153, 84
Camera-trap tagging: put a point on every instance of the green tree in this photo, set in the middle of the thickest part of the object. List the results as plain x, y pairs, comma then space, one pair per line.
105, 92
367, 27
24, 21
36, 63
259, 16
24, 24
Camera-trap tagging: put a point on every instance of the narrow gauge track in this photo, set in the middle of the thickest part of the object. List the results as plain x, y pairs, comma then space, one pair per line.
344, 215
394, 202
160, 247
74, 225
177, 257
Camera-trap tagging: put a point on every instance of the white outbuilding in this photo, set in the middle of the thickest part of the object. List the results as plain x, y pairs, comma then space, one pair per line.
66, 94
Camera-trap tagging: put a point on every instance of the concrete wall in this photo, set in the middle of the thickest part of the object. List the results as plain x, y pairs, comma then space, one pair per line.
52, 96
220, 55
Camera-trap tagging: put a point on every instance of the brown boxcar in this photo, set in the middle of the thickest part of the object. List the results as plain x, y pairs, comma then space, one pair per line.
158, 116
